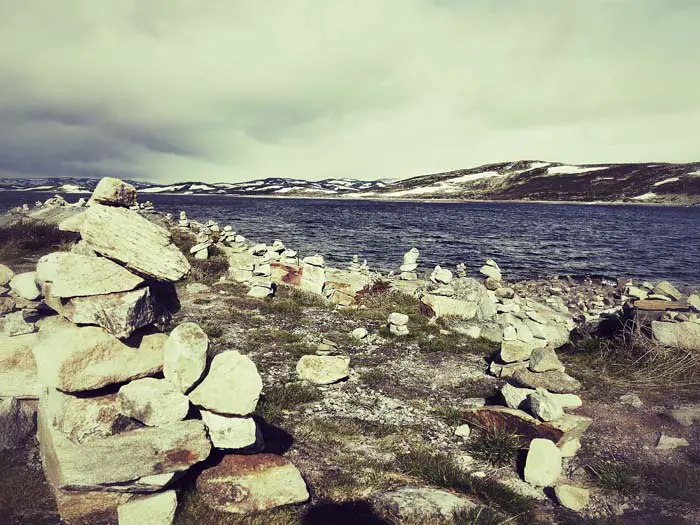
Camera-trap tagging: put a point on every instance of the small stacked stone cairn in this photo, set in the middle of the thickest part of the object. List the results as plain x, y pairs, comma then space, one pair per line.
109, 431
201, 249
355, 265
461, 270
227, 236
184, 222
313, 274
409, 266
398, 323
492, 273
261, 280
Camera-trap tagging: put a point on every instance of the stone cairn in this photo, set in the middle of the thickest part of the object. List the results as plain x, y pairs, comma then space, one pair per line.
114, 437
398, 324
261, 280
410, 265
313, 275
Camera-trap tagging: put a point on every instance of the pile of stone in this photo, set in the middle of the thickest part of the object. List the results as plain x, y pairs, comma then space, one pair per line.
672, 315
462, 297
184, 222
261, 279
398, 324
111, 429
410, 265
492, 272
200, 250
313, 275
356, 267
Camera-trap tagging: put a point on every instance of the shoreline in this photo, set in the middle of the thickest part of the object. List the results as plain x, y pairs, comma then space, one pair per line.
404, 200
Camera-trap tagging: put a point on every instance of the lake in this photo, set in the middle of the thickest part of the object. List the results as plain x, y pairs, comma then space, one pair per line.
526, 239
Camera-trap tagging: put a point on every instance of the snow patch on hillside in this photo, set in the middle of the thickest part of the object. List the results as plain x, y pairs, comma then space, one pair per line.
572, 170
644, 197
666, 181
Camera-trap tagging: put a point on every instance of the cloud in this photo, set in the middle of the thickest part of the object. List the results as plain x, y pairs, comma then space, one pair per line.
230, 90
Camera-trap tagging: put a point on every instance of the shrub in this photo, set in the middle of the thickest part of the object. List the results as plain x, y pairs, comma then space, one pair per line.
32, 239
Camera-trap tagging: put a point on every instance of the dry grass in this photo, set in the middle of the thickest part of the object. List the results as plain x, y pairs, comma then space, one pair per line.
496, 445
632, 360
278, 399
32, 239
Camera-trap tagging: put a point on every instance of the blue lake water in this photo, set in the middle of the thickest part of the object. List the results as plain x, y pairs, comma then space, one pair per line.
526, 239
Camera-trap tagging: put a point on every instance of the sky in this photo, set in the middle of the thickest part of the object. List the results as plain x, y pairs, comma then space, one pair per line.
234, 90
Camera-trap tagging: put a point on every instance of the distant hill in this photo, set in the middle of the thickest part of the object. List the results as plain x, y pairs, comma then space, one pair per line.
521, 180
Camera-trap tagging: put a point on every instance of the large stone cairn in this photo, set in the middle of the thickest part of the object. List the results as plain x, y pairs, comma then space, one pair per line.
313, 275
115, 436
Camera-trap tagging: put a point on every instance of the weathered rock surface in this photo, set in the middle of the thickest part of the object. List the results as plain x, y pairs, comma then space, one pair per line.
232, 386
574, 498
90, 507
667, 289
72, 223
82, 418
435, 505
16, 325
24, 285
134, 241
7, 305
18, 375
230, 432
117, 462
73, 359
514, 396
667, 442
245, 484
554, 381
443, 306
544, 359
185, 355
120, 314
545, 406
156, 509
512, 351
153, 402
678, 335
74, 275
313, 275
6, 274
114, 192
543, 464
323, 370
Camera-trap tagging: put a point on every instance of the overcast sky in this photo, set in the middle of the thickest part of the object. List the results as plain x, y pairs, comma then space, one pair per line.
232, 90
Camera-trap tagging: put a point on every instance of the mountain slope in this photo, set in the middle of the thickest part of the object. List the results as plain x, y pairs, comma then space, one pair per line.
521, 180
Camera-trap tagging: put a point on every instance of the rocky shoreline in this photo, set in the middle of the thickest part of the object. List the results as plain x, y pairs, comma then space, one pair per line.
86, 339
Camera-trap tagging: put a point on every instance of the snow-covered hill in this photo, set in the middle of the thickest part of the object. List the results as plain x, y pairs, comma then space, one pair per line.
521, 180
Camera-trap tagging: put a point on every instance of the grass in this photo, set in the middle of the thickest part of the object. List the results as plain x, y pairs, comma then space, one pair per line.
452, 416
614, 475
302, 298
631, 359
374, 378
32, 239
208, 271
496, 445
674, 482
25, 497
441, 470
278, 399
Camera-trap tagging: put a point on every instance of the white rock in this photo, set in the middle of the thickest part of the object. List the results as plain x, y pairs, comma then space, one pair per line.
131, 239
24, 285
574, 498
491, 272
678, 335
669, 443
314, 260
74, 359
18, 376
514, 396
323, 370
693, 300
185, 355
155, 509
524, 333
82, 418
232, 385
544, 359
463, 431
313, 278
631, 400
15, 325
398, 319
153, 402
543, 464
230, 432
512, 351
510, 333
359, 333
6, 275
422, 504
114, 192
398, 330
545, 406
